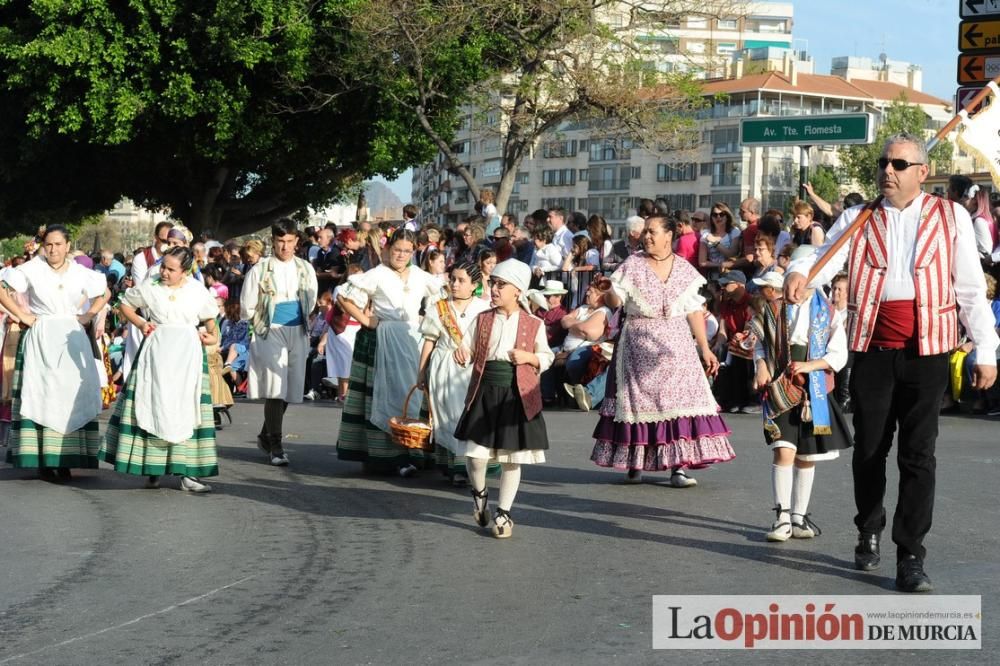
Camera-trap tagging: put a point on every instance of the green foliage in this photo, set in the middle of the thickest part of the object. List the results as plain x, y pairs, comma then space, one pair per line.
824, 182
193, 105
860, 162
12, 247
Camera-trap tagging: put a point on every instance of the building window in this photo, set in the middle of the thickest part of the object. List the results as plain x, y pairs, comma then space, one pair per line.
606, 150
725, 48
704, 200
727, 174
636, 173
559, 149
697, 22
558, 177
726, 140
669, 173
584, 173
491, 169
706, 169
679, 201
727, 24
565, 203
609, 207
611, 177
523, 177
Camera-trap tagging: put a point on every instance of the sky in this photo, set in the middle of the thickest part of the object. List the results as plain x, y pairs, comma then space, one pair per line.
921, 32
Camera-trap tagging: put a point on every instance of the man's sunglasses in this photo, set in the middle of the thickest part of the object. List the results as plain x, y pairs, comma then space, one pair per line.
897, 164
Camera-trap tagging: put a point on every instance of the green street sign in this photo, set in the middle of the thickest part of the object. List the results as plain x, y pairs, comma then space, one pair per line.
821, 130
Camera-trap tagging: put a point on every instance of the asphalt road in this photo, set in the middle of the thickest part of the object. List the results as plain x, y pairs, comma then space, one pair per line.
320, 564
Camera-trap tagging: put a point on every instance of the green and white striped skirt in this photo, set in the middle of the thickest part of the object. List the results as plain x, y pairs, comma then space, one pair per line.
33, 446
360, 440
132, 450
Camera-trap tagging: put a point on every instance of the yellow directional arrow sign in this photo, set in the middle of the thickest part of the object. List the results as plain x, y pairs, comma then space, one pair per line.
979, 35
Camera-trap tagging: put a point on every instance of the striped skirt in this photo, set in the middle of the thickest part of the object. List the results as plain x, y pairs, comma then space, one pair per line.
132, 450
360, 440
33, 446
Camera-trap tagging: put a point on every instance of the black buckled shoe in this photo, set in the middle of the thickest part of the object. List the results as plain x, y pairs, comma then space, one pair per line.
910, 576
866, 553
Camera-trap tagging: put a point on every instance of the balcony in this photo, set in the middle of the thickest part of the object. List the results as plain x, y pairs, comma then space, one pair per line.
610, 184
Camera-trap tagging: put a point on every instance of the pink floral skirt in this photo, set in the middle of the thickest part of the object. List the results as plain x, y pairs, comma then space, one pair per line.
686, 442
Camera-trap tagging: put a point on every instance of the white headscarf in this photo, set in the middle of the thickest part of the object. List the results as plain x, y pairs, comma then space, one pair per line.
518, 274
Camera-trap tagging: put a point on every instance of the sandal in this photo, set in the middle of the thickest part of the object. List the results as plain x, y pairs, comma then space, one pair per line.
480, 513
502, 524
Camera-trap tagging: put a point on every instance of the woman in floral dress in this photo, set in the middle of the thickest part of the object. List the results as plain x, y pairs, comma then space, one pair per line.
659, 413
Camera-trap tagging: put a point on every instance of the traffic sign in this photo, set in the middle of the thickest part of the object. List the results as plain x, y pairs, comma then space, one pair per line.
964, 95
977, 8
978, 68
977, 36
819, 130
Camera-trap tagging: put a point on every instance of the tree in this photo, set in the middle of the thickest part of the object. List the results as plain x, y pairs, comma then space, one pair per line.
860, 161
824, 183
530, 66
198, 106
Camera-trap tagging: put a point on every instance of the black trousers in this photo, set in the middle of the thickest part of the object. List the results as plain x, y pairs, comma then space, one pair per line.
890, 389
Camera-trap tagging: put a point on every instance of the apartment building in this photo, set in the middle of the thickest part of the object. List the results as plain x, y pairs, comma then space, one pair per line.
578, 167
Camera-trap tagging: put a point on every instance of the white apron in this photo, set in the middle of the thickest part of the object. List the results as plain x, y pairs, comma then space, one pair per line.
60, 386
167, 401
396, 360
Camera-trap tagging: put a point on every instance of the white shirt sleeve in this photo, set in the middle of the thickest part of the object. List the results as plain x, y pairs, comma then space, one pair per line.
970, 291
836, 346
542, 350
15, 279
984, 240
836, 263
249, 292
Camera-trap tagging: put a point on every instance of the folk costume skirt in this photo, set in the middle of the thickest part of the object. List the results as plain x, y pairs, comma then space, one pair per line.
132, 450
494, 425
33, 445
359, 439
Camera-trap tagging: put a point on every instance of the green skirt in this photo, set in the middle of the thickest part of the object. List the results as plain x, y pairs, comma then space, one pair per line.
360, 440
33, 446
132, 450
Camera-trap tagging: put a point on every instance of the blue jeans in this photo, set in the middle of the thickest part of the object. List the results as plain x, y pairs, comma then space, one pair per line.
569, 370
596, 387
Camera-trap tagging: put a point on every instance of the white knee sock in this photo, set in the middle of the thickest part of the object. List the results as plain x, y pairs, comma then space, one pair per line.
477, 472
781, 489
802, 489
510, 479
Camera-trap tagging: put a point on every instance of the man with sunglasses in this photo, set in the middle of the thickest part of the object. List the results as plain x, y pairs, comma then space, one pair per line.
913, 273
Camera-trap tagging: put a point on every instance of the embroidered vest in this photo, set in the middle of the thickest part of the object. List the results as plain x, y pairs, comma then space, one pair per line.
528, 385
261, 320
868, 263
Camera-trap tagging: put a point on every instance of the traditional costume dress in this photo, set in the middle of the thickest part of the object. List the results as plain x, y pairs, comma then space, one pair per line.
56, 385
448, 382
162, 422
340, 346
276, 298
805, 419
8, 353
502, 420
384, 366
658, 413
144, 264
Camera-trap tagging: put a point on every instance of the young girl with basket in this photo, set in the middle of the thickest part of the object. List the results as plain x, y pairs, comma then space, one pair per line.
444, 328
797, 351
502, 420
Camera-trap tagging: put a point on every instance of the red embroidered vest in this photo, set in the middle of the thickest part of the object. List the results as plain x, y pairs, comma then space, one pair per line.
528, 385
868, 264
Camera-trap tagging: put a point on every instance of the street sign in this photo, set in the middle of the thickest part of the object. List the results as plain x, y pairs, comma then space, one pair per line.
978, 68
976, 36
977, 8
964, 95
820, 130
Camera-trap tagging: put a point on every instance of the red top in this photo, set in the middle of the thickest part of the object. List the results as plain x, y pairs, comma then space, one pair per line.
749, 237
895, 325
735, 314
687, 247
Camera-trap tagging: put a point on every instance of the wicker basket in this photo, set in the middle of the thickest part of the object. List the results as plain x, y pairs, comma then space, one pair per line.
412, 433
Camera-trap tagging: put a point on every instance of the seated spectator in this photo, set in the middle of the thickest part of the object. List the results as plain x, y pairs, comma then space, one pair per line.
585, 326
552, 314
548, 258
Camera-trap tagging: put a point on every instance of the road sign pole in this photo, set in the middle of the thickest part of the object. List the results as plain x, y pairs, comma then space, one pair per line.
803, 171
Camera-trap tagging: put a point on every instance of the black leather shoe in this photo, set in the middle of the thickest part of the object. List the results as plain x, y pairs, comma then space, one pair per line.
910, 576
866, 553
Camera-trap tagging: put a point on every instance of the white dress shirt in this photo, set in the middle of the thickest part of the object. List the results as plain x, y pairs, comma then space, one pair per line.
901, 245
563, 239
798, 334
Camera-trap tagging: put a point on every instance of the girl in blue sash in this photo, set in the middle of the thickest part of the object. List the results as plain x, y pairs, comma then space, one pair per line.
798, 350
